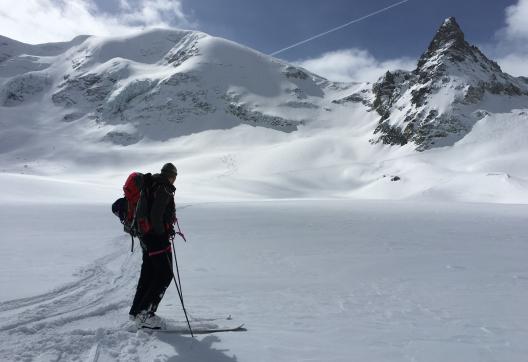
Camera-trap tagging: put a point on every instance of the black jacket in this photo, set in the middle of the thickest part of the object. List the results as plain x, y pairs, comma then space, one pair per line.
162, 213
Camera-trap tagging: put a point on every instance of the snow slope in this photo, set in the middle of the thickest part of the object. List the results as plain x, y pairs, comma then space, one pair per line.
312, 280
77, 117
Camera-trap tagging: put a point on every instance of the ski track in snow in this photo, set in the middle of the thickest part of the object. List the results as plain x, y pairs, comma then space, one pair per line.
43, 328
85, 320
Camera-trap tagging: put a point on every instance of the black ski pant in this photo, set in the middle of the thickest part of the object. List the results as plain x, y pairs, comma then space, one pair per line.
156, 276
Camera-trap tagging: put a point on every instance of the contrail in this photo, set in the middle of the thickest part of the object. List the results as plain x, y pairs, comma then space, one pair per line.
339, 27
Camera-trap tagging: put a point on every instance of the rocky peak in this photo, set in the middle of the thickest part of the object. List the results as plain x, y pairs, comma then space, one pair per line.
436, 104
449, 45
448, 36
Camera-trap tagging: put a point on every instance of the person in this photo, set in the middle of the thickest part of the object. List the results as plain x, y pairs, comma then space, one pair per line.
156, 269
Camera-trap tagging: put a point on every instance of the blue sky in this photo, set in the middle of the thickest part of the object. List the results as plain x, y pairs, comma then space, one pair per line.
402, 31
394, 38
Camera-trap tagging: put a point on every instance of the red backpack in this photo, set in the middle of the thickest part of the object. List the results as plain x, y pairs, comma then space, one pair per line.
137, 194
133, 210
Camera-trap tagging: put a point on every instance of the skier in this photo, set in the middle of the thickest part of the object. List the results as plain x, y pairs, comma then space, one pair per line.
156, 269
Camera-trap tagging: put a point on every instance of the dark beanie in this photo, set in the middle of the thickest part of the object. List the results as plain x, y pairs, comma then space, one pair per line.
169, 169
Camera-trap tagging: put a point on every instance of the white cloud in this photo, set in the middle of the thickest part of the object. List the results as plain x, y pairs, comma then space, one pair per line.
40, 21
348, 65
511, 49
516, 20
514, 64
153, 12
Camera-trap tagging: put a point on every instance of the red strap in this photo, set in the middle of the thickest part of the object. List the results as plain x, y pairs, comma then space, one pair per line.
154, 253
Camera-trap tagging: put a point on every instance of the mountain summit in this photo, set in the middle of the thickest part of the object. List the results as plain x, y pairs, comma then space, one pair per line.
449, 49
448, 38
453, 86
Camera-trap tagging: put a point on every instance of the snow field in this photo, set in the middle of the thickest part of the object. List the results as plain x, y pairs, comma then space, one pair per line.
312, 280
247, 163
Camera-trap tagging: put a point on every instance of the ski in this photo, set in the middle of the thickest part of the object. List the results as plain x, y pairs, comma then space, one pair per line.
198, 325
199, 330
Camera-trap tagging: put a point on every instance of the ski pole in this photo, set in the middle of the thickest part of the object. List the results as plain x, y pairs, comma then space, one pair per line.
177, 269
181, 298
180, 233
179, 284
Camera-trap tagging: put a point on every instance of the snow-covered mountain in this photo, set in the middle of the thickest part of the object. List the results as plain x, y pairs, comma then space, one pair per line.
159, 84
95, 108
453, 86
167, 83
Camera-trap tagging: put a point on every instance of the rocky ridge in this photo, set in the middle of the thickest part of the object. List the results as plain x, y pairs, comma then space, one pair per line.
453, 86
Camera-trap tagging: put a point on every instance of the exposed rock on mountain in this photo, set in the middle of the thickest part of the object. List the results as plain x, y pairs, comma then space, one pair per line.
158, 84
438, 103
